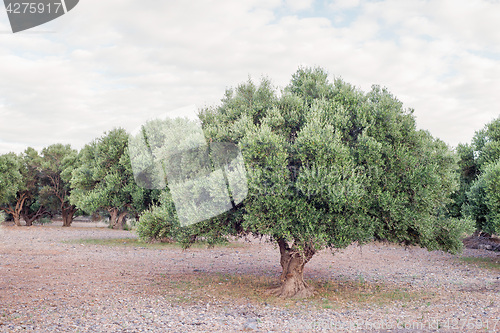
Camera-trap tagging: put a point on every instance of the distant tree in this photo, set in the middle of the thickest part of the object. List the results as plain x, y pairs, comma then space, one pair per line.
33, 209
486, 143
328, 165
484, 200
24, 204
10, 185
480, 165
57, 163
468, 171
104, 179
490, 183
477, 165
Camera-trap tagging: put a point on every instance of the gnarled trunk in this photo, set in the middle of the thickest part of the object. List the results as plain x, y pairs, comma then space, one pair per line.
16, 211
121, 220
29, 221
67, 215
30, 217
292, 277
116, 221
113, 214
17, 220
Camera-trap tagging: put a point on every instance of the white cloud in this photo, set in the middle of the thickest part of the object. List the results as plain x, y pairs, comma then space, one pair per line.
121, 62
297, 5
344, 4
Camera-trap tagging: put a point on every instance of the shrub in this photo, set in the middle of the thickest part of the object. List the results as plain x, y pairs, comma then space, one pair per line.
159, 223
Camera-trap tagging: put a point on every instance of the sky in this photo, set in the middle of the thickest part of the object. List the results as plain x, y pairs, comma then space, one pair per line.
119, 63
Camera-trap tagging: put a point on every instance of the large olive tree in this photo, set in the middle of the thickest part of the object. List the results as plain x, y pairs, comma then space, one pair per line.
328, 165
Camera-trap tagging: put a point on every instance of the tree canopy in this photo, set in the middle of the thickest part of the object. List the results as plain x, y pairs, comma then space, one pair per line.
480, 174
104, 179
10, 183
317, 164
58, 162
21, 181
328, 165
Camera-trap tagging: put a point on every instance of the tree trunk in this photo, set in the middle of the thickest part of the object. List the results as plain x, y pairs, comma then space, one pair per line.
29, 221
16, 211
121, 220
15, 214
113, 215
67, 215
96, 217
292, 278
29, 217
116, 220
17, 219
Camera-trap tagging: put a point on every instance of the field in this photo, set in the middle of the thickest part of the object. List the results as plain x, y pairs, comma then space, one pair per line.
93, 279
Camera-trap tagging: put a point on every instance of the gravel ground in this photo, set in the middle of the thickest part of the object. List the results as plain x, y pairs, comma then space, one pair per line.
52, 282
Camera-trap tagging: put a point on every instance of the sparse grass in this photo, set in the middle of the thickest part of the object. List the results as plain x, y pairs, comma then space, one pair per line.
223, 287
203, 287
335, 294
135, 242
483, 262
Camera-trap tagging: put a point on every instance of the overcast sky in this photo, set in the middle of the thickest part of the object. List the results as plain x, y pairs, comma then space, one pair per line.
121, 62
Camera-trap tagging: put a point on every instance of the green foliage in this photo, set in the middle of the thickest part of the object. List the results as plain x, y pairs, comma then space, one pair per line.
58, 162
484, 200
20, 184
10, 177
486, 144
175, 152
32, 176
468, 171
328, 165
479, 178
104, 179
476, 207
159, 222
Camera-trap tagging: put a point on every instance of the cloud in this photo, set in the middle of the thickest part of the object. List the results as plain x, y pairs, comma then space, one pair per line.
297, 5
121, 62
344, 4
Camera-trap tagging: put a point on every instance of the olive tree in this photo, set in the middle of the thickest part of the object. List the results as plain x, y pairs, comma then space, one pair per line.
104, 180
328, 165
57, 163
479, 170
21, 199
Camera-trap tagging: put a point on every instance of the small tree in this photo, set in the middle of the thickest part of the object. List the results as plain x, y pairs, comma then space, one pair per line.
104, 179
